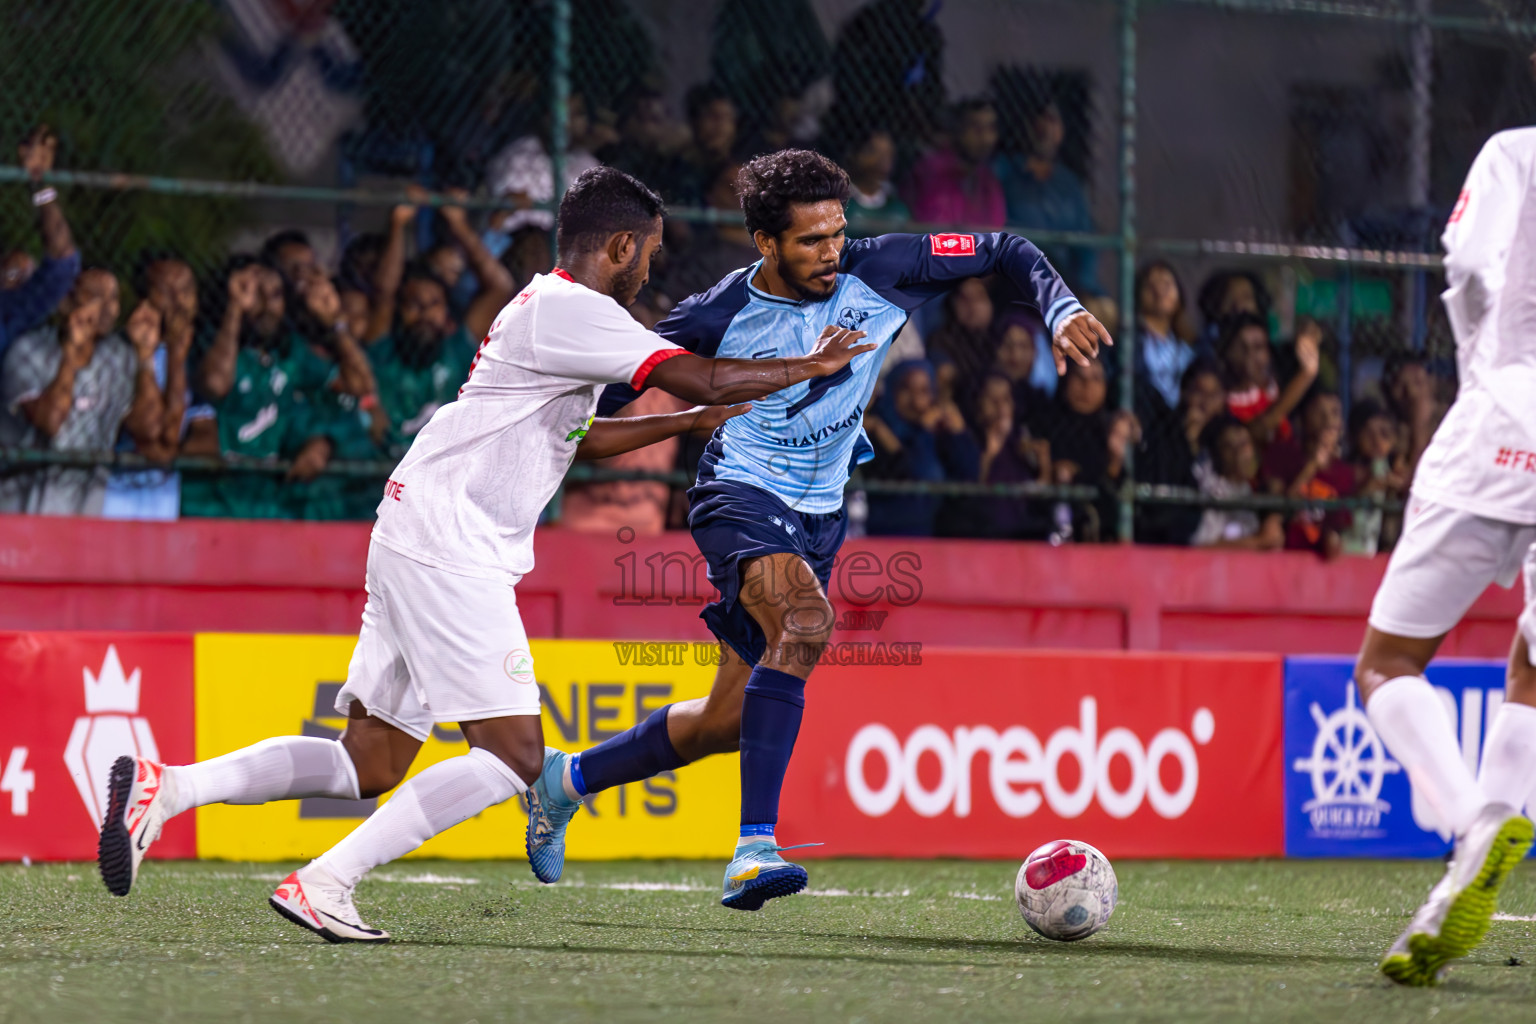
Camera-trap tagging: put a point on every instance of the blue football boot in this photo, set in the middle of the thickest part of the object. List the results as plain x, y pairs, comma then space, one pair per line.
758, 874
549, 812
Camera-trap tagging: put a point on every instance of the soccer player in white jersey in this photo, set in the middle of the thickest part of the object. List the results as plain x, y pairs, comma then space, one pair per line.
441, 638
1471, 521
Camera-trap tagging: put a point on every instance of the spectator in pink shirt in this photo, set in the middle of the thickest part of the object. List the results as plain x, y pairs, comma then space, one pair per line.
956, 185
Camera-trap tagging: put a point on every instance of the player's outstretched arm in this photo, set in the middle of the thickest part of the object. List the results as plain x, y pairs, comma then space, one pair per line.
607, 437
726, 381
911, 269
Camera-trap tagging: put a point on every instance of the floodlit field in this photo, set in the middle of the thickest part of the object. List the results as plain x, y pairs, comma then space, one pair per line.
647, 942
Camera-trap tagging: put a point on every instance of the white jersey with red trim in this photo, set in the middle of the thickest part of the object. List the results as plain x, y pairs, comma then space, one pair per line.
468, 494
1483, 457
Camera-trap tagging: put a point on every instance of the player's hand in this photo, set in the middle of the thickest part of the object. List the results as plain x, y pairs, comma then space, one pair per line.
401, 215
707, 417
320, 296
176, 328
143, 330
950, 418
1308, 342
1078, 338
242, 289
79, 331
836, 348
1037, 450
311, 460
455, 215
1327, 448
37, 150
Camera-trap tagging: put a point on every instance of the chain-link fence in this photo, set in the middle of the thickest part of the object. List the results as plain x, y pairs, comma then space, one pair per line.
1288, 159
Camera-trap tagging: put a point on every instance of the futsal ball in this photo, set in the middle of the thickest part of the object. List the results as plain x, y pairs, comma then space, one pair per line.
1066, 890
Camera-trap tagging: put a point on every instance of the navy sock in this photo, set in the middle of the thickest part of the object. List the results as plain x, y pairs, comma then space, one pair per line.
631, 756
770, 722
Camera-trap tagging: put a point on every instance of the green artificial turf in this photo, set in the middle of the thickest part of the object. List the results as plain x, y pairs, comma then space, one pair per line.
884, 940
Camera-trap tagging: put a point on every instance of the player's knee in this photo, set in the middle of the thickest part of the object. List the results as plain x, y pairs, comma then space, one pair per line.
802, 632
526, 759
375, 780
720, 730
1520, 680
1381, 660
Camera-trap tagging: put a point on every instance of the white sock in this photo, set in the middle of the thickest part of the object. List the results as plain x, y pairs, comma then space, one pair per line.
568, 784
281, 768
1410, 719
434, 801
1508, 772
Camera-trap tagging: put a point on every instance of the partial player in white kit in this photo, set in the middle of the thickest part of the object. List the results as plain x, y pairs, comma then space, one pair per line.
1471, 521
441, 638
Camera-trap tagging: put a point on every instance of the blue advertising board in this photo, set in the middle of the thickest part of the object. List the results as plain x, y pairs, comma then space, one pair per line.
1345, 796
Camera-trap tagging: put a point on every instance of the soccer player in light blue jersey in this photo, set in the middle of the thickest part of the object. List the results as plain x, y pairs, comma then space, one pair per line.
767, 508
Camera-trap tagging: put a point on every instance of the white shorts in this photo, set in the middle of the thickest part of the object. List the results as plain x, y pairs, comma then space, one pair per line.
1443, 562
437, 647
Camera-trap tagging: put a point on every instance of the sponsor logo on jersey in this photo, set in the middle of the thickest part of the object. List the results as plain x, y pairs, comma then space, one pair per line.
265, 418
953, 245
519, 666
1515, 458
810, 440
580, 432
850, 318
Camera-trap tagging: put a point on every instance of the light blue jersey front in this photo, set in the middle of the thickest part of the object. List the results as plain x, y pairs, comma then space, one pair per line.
800, 443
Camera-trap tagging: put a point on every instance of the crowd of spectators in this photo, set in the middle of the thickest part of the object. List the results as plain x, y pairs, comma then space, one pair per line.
1225, 410
276, 357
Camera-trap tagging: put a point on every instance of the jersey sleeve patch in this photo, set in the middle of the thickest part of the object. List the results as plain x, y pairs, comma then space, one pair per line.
1461, 205
652, 361
953, 245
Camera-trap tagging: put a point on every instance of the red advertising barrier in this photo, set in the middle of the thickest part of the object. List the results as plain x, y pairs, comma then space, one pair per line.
73, 703
221, 575
989, 754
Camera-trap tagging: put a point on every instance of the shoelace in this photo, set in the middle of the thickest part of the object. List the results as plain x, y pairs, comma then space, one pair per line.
797, 846
343, 902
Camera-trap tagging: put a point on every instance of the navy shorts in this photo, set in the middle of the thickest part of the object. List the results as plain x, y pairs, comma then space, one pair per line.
733, 523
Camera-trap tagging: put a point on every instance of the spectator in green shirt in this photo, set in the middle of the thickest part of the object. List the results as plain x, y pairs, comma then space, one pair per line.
262, 377
420, 356
346, 413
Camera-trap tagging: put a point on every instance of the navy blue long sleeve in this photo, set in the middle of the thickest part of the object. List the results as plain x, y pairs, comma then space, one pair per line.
909, 270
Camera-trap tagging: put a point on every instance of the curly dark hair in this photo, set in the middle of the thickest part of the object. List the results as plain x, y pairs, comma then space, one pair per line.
772, 183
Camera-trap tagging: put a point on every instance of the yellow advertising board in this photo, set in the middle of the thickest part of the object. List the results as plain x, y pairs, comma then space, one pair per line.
252, 686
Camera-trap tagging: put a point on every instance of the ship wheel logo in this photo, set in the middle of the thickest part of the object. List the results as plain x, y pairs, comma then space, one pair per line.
1347, 767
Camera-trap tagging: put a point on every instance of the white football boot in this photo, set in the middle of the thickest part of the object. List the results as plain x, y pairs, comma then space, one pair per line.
1456, 916
311, 898
138, 793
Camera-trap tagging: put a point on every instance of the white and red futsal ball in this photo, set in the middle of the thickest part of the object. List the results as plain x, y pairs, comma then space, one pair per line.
1066, 890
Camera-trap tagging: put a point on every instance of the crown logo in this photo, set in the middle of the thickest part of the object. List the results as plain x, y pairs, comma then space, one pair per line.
110, 690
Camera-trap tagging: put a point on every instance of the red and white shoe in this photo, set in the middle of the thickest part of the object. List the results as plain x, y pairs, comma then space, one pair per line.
139, 793
312, 899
